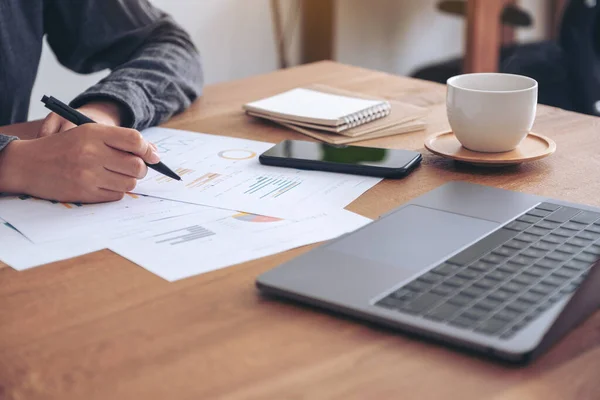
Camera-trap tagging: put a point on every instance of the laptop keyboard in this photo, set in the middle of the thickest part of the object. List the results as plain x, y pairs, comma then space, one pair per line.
503, 282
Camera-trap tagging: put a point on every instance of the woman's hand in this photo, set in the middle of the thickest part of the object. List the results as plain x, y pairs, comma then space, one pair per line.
104, 112
89, 163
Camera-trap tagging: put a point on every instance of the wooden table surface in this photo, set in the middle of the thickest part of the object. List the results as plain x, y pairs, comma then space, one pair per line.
100, 327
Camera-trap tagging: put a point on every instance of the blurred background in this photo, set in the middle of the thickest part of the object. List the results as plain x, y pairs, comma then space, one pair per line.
424, 38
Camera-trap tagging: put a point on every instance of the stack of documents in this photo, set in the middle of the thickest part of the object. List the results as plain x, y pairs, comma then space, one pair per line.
337, 116
175, 229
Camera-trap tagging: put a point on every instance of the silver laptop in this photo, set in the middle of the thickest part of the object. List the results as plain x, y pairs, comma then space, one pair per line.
497, 272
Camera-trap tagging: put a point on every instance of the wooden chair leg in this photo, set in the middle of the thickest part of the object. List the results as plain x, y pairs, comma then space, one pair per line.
483, 35
317, 30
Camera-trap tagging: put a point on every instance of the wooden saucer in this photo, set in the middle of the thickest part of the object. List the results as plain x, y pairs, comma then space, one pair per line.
533, 147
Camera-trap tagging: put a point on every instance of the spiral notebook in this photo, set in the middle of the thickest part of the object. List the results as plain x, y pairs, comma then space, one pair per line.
319, 109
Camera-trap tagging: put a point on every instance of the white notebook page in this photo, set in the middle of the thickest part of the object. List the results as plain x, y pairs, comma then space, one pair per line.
306, 104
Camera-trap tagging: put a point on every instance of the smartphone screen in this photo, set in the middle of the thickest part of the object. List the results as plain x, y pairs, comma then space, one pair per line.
339, 154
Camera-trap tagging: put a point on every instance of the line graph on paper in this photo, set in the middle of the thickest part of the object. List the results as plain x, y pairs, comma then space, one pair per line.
173, 143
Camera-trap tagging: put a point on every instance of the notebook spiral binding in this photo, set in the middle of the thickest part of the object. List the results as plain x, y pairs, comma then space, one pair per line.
368, 115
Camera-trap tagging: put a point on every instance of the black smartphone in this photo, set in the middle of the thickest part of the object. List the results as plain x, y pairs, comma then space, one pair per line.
371, 161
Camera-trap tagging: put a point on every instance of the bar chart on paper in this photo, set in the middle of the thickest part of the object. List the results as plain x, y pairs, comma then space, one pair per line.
162, 179
203, 180
269, 186
203, 245
183, 235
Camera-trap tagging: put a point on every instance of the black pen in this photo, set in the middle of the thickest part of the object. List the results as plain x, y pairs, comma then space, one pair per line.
74, 116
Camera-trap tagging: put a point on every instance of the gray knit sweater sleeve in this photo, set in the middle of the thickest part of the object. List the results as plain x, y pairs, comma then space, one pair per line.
5, 140
155, 67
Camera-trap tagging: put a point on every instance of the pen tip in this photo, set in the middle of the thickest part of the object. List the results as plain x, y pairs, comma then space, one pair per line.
44, 98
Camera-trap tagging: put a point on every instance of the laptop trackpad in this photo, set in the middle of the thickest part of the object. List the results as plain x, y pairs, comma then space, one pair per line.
412, 238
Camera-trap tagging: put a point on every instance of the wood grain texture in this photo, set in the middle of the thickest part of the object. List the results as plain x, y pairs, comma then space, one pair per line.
100, 327
532, 147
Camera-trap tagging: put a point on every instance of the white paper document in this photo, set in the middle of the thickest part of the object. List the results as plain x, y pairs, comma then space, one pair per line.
43, 221
21, 253
184, 246
225, 172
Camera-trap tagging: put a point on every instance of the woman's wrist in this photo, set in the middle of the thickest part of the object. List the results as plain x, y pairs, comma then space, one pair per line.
12, 173
103, 112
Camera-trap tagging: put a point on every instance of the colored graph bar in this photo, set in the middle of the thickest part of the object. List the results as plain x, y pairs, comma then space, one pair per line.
184, 235
287, 189
179, 171
71, 205
258, 181
264, 183
183, 171
255, 218
203, 180
279, 185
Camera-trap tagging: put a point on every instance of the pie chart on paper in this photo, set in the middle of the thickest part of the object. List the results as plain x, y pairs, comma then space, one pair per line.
255, 218
237, 154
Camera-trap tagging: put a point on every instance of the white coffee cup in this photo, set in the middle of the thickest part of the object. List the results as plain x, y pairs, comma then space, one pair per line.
491, 112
